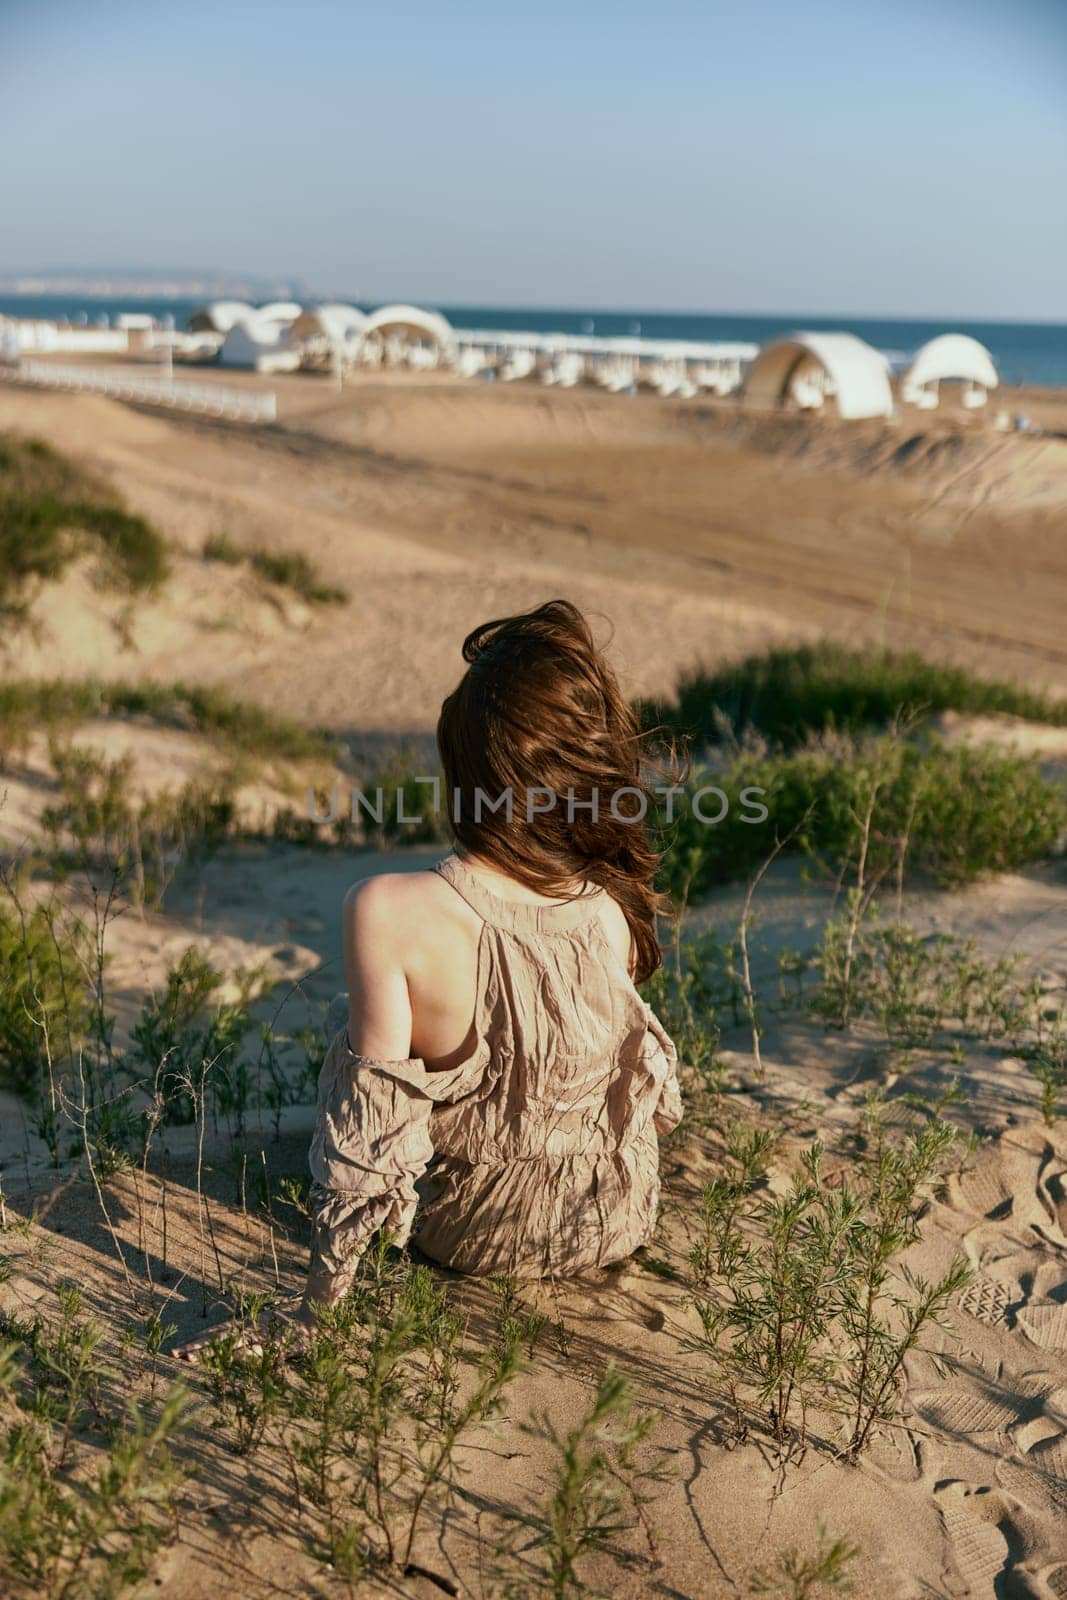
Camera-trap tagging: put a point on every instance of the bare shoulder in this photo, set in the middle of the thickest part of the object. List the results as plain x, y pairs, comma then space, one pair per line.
398, 905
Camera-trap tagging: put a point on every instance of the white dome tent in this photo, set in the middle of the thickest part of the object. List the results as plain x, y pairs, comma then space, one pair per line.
260, 346
279, 311
950, 358
337, 322
807, 369
329, 336
220, 316
408, 336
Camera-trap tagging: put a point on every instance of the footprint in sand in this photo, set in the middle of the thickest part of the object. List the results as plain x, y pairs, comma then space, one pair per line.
630, 1296
979, 1549
1045, 1324
1025, 1482
996, 1544
982, 1191
962, 1411
1027, 1184
901, 1455
1041, 1476
1049, 1456
986, 1300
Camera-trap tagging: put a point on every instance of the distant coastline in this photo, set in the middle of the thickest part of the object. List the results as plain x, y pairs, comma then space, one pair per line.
116, 284
1025, 353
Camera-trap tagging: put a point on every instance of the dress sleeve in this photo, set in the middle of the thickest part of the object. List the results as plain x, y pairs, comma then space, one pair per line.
371, 1143
668, 1113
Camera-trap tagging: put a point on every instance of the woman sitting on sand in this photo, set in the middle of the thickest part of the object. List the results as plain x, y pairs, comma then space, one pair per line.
494, 1083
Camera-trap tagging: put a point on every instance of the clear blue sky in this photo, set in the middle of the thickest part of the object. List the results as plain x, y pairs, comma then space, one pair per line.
836, 156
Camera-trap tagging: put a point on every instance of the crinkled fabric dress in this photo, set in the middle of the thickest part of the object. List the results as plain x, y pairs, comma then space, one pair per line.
539, 1155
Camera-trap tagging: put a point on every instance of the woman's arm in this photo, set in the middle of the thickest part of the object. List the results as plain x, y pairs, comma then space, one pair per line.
371, 1126
375, 936
371, 1131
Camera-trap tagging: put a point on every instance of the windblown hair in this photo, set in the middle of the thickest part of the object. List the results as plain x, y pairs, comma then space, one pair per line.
539, 709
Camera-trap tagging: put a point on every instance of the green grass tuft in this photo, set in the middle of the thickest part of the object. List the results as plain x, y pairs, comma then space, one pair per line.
244, 728
52, 510
44, 997
953, 813
296, 572
287, 570
791, 694
219, 547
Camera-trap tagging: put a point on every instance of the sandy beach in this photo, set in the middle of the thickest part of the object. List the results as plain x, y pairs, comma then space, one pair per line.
698, 533
701, 531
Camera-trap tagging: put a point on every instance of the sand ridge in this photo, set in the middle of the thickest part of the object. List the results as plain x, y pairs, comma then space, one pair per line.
435, 504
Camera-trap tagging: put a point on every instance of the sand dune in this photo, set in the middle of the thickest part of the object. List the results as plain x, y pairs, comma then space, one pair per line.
963, 1496
701, 532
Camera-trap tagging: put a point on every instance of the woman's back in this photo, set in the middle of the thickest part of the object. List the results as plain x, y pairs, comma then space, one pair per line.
554, 1008
431, 924
542, 1115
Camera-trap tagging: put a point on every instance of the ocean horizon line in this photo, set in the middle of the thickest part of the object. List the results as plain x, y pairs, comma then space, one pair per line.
1025, 353
542, 308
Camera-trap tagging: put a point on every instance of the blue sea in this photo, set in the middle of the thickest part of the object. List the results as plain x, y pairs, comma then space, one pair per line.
1028, 353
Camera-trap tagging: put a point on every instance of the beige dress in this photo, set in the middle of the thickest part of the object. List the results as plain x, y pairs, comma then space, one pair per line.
539, 1154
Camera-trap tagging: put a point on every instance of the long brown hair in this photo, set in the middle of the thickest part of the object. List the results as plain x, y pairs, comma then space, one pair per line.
539, 709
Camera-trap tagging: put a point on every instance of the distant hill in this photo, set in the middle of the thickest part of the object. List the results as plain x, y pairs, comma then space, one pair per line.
150, 283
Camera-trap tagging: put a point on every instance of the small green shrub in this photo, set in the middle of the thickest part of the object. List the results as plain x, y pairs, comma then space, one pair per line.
292, 570
801, 1577
137, 552
287, 569
788, 695
936, 992
27, 708
954, 813
242, 725
406, 805
688, 992
96, 820
745, 1157
220, 547
87, 1496
51, 509
600, 1485
805, 1302
246, 1375
187, 1042
515, 1322
31, 545
44, 992
385, 1392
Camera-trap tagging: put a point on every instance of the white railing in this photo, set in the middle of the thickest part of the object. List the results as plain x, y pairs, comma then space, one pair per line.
238, 405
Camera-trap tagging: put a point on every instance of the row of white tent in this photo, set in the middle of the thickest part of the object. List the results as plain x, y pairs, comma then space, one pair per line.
802, 372
284, 336
805, 371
